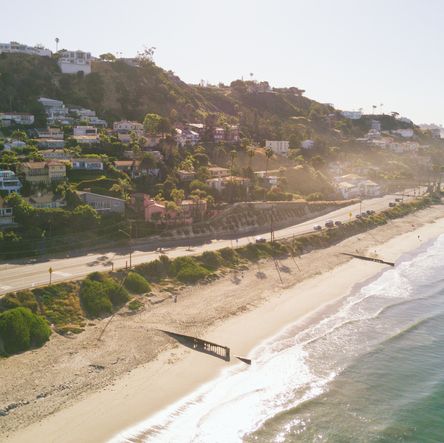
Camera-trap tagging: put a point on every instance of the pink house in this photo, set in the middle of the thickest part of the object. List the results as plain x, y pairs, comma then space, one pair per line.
159, 214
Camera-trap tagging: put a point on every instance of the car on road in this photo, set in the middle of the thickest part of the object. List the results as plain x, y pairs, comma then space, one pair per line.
317, 227
392, 204
261, 240
338, 223
329, 224
370, 212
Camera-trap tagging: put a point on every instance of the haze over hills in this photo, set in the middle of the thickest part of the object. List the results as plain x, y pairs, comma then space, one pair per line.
118, 90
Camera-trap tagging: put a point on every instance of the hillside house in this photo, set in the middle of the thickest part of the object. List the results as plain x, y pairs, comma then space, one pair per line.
72, 62
50, 143
16, 118
55, 109
187, 212
186, 136
279, 147
46, 201
94, 164
43, 172
50, 133
221, 183
218, 172
102, 203
19, 48
9, 182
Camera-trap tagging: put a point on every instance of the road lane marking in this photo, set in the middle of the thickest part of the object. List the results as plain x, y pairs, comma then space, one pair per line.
62, 274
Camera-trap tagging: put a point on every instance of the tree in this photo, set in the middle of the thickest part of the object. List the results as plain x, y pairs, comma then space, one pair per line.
268, 155
85, 217
151, 123
18, 134
177, 195
107, 57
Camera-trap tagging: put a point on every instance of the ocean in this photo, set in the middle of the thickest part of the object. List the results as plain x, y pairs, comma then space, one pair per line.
370, 370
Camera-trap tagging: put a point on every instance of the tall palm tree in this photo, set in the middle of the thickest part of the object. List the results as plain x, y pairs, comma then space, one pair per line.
268, 154
250, 153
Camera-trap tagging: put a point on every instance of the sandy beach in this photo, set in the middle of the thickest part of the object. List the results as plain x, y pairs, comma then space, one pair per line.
90, 387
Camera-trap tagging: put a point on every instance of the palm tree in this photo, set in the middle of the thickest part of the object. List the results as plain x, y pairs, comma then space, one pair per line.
268, 154
233, 155
250, 153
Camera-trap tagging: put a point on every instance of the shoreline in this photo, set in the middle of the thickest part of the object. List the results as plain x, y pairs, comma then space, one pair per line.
155, 385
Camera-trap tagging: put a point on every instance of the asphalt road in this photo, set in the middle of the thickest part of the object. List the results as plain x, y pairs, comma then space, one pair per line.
23, 275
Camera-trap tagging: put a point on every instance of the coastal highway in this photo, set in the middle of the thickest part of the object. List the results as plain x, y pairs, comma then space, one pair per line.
17, 275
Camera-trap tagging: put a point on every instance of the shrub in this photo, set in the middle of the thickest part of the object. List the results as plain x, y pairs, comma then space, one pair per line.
136, 284
211, 260
229, 255
135, 305
155, 270
60, 304
188, 270
94, 299
117, 294
20, 330
19, 299
97, 276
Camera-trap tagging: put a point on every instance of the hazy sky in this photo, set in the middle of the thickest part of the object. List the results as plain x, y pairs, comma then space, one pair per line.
352, 53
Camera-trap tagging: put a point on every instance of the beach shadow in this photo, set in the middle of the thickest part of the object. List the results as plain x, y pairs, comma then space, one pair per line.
200, 345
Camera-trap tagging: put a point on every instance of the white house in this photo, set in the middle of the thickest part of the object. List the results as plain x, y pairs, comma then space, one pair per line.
55, 109
72, 62
279, 147
52, 133
16, 118
307, 144
376, 125
84, 130
13, 144
6, 216
125, 126
348, 190
406, 133
15, 47
352, 115
9, 182
87, 163
187, 136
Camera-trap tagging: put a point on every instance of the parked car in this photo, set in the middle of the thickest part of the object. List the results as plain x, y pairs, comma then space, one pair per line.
338, 223
398, 199
317, 227
359, 216
329, 224
370, 212
364, 214
392, 204
261, 240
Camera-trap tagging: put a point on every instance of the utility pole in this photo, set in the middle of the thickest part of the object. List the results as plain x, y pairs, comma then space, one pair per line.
130, 244
271, 225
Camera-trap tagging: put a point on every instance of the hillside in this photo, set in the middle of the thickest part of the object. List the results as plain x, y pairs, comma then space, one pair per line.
116, 90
